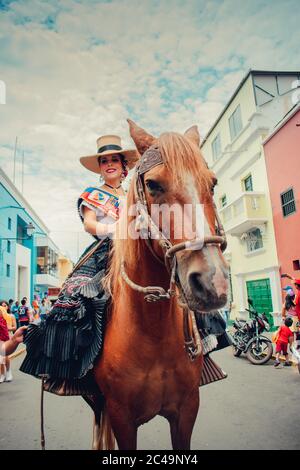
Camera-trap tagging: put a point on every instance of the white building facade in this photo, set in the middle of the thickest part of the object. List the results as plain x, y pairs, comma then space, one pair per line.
233, 150
28, 259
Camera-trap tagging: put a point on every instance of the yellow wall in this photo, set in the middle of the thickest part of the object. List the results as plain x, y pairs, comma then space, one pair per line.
65, 266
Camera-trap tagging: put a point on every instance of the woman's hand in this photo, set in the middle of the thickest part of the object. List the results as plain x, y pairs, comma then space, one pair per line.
18, 336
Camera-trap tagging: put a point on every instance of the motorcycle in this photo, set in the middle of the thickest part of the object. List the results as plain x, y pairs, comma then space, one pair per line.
248, 338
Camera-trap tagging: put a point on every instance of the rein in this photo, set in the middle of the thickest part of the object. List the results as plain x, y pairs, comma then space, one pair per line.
145, 224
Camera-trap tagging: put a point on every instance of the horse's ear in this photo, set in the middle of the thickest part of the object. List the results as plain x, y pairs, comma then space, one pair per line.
193, 134
141, 138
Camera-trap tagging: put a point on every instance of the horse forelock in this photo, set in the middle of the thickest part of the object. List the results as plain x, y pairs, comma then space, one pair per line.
182, 157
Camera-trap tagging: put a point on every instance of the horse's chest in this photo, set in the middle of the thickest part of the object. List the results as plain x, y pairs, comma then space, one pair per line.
153, 383
160, 391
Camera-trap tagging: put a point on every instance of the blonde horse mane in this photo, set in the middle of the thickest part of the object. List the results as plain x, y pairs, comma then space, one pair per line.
180, 156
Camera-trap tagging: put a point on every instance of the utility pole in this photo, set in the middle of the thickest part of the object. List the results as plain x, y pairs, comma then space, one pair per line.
15, 153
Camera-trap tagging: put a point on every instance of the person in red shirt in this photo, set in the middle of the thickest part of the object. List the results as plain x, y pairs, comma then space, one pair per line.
4, 336
285, 337
8, 346
297, 297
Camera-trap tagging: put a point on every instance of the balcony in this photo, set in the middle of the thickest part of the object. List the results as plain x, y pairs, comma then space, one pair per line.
47, 280
247, 211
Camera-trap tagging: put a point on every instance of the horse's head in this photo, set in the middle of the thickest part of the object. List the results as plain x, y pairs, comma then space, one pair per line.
178, 190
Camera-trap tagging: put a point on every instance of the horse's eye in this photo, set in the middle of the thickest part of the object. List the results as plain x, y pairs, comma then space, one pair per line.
154, 187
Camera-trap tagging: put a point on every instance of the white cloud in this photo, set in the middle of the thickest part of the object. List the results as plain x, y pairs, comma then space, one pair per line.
166, 64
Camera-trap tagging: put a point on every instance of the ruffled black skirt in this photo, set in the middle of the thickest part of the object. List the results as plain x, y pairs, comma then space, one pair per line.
66, 344
213, 324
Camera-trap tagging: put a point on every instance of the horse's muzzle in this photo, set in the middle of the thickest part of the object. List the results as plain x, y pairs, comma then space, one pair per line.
203, 294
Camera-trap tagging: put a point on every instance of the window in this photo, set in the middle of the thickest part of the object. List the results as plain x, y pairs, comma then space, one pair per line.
254, 240
8, 246
21, 232
235, 122
296, 265
9, 223
8, 270
46, 261
288, 202
52, 264
42, 260
248, 186
223, 200
216, 147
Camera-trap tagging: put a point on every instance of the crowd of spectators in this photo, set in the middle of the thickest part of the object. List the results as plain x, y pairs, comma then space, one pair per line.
15, 316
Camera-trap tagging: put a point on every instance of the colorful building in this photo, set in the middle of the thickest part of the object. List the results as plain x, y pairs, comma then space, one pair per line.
233, 149
282, 155
28, 256
65, 266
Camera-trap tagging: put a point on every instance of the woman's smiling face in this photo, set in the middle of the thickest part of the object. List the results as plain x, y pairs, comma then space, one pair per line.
111, 167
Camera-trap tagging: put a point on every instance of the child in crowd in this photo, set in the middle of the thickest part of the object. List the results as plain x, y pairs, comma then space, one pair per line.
285, 338
289, 308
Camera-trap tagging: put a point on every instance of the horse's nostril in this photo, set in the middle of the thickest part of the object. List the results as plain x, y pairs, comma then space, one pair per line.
196, 284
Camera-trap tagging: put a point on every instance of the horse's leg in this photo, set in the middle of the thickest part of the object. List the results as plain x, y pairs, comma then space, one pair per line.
182, 423
96, 402
124, 429
96, 432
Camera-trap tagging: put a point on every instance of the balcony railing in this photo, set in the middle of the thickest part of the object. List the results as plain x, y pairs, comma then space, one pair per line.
246, 212
47, 279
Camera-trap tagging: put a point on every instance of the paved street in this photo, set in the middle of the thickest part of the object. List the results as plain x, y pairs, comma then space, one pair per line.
255, 408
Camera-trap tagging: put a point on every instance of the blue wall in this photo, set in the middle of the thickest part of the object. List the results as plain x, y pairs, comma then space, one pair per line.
7, 283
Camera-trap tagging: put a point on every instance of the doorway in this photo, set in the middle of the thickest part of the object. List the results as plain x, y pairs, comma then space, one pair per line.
260, 293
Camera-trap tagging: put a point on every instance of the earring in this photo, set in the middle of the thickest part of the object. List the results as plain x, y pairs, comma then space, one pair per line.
101, 179
124, 174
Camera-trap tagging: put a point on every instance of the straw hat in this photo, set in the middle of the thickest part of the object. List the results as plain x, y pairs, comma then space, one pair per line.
109, 145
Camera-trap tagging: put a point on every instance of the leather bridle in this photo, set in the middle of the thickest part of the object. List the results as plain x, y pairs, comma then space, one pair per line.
148, 229
145, 224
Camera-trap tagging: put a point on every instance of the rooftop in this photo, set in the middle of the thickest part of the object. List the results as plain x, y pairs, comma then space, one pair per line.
283, 121
20, 200
250, 72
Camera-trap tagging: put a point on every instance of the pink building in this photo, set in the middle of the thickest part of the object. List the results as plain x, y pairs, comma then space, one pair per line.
282, 154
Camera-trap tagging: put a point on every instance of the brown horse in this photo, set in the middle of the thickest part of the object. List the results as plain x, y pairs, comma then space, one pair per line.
144, 369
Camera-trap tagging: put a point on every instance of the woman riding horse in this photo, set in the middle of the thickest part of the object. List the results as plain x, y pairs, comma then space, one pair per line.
152, 361
64, 347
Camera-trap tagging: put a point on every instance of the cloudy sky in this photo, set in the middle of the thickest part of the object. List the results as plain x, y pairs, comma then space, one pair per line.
75, 70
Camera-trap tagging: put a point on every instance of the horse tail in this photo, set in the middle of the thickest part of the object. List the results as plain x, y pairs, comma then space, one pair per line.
104, 438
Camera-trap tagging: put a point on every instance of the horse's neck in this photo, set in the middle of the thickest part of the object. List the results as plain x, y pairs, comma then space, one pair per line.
152, 317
